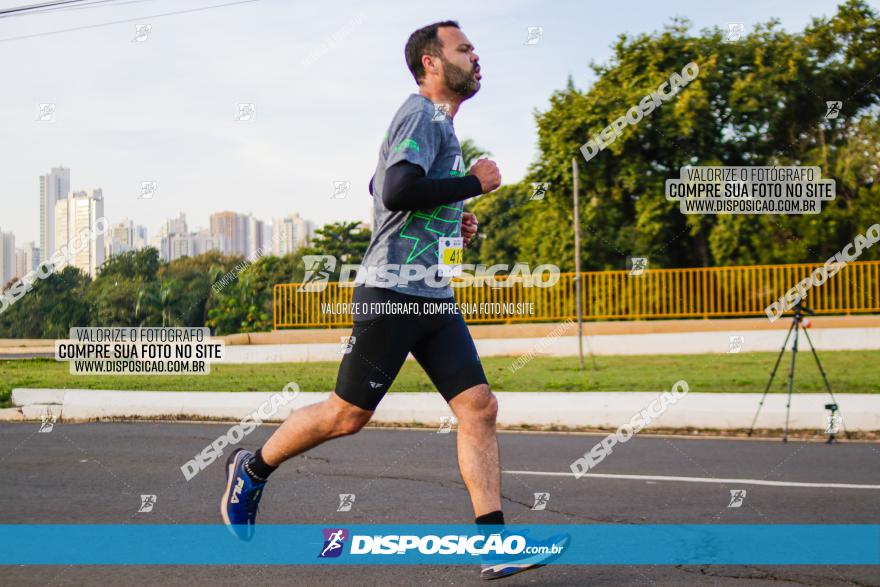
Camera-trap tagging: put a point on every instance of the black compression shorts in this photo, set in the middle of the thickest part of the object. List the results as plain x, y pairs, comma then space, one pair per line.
394, 325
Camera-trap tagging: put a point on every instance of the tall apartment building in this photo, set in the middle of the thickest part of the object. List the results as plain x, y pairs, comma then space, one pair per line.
174, 225
79, 213
192, 244
243, 234
290, 233
170, 228
54, 186
8, 269
125, 236
27, 258
175, 240
233, 228
256, 236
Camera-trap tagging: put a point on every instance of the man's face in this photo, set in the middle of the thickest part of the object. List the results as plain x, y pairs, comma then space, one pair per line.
461, 69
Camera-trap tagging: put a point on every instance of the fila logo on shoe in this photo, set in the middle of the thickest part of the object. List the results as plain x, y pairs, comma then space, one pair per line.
239, 485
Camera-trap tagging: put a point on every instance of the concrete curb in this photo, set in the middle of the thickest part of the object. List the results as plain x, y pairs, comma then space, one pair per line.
11, 415
708, 411
677, 343
651, 337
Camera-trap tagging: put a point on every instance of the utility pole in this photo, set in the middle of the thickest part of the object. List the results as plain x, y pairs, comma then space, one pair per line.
577, 265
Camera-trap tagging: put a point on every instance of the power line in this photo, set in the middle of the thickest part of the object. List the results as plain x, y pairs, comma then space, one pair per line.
78, 6
137, 19
85, 5
34, 7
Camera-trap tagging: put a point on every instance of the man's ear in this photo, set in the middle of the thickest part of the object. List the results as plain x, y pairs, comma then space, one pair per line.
429, 62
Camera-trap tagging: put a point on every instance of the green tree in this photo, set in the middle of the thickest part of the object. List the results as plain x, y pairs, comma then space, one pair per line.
759, 101
54, 306
114, 293
188, 285
501, 215
347, 241
245, 305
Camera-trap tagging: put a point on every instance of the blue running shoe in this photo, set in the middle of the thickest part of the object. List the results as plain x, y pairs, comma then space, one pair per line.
242, 496
536, 554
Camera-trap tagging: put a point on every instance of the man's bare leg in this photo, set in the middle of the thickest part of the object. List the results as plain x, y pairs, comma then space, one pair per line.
476, 409
304, 429
312, 425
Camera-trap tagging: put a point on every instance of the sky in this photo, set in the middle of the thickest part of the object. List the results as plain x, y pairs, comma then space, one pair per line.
325, 79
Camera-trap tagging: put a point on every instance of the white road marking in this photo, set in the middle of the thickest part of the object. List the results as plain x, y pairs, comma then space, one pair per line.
701, 480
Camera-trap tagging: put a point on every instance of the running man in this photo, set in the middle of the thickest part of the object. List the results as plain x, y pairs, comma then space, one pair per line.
418, 190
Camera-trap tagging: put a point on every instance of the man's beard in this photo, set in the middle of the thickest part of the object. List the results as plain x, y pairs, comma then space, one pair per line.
460, 81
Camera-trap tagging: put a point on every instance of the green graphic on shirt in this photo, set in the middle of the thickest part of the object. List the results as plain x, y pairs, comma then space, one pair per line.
407, 144
457, 167
433, 224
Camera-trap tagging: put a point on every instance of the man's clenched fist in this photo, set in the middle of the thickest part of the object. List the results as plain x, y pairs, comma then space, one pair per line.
487, 172
469, 226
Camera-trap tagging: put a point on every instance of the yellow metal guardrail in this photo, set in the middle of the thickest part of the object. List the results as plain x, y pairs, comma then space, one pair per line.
707, 292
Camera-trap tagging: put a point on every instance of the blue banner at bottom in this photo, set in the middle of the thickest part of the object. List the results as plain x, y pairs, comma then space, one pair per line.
404, 544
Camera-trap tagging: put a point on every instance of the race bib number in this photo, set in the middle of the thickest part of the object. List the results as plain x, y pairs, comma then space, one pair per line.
451, 255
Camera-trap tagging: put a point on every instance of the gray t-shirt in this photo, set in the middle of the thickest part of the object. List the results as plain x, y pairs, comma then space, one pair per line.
422, 135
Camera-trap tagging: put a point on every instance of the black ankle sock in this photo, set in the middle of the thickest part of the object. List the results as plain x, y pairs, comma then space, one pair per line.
495, 518
256, 467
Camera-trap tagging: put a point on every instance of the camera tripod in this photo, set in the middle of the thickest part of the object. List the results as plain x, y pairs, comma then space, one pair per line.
796, 327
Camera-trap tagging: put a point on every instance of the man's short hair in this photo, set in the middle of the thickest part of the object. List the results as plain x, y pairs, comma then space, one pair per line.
424, 42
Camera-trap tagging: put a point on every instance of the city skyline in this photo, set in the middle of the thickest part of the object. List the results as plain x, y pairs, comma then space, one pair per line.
63, 215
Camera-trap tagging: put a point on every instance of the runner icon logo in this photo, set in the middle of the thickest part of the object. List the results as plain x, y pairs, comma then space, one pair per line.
141, 32
534, 35
833, 424
737, 496
539, 190
441, 112
334, 541
735, 31
46, 112
47, 423
246, 112
148, 190
541, 500
346, 501
346, 344
317, 273
639, 266
736, 343
340, 189
833, 109
147, 503
446, 424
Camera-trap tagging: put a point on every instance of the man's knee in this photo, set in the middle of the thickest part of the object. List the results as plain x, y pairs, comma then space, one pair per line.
478, 404
489, 407
346, 418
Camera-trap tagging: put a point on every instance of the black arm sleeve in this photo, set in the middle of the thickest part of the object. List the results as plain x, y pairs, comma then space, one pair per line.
406, 188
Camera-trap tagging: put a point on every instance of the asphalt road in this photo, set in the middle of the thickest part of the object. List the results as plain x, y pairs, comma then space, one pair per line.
95, 473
